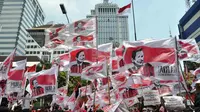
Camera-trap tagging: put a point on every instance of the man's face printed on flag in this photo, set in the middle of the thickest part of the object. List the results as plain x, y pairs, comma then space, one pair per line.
35, 83
81, 56
138, 57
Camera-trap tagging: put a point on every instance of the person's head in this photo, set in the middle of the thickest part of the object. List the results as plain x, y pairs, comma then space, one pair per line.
35, 83
80, 56
78, 39
138, 57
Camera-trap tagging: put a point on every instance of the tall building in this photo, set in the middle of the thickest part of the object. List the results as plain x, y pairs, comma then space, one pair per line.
111, 26
189, 24
15, 17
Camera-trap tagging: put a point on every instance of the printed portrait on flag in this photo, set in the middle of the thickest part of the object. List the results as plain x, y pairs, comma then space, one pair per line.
129, 93
81, 40
80, 62
36, 89
79, 26
137, 58
152, 58
44, 82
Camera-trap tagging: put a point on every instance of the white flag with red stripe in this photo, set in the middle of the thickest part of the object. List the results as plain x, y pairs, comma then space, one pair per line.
197, 73
152, 58
44, 82
15, 81
187, 48
125, 9
6, 65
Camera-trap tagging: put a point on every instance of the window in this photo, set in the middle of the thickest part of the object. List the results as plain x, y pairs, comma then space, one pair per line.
34, 52
29, 41
54, 52
31, 52
58, 52
28, 46
62, 52
38, 52
34, 3
27, 52
35, 46
32, 40
31, 46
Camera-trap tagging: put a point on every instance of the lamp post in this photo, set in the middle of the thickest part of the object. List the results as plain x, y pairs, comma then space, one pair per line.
62, 7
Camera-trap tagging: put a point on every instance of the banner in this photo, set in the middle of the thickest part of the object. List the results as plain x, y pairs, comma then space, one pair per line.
174, 103
151, 97
187, 48
152, 58
16, 78
6, 65
44, 82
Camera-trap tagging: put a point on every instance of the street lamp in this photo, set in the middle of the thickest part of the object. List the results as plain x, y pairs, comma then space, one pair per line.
62, 7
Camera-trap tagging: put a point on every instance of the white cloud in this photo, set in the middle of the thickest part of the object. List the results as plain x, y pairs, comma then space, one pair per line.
76, 9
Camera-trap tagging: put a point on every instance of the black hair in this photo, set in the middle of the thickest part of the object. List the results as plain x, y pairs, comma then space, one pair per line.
79, 53
134, 53
33, 80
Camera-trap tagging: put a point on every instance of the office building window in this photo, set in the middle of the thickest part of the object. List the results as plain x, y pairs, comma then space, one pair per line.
34, 52
38, 52
31, 52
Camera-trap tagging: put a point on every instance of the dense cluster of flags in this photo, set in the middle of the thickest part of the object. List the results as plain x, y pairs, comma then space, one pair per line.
145, 68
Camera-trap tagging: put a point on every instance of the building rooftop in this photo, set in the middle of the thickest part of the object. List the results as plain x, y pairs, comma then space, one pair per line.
43, 27
18, 58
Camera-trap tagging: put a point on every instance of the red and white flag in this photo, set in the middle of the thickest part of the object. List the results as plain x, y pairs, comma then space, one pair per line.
95, 71
62, 61
187, 49
62, 90
85, 90
16, 78
112, 107
197, 73
59, 100
125, 9
55, 32
6, 65
152, 58
83, 57
31, 68
44, 82
83, 26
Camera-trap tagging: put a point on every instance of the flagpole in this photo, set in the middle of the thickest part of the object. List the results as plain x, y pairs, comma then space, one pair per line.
134, 24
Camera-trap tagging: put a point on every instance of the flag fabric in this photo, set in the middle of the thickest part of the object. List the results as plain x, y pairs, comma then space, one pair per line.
16, 78
62, 90
83, 26
83, 57
59, 100
62, 61
44, 82
6, 65
124, 9
31, 68
112, 107
85, 90
197, 73
187, 48
95, 71
152, 58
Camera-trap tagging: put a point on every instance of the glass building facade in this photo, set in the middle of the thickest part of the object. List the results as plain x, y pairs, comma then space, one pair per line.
15, 17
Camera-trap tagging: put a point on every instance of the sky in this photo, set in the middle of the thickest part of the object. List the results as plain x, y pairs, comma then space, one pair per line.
154, 18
